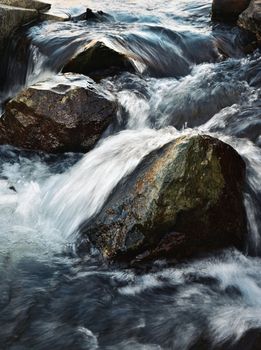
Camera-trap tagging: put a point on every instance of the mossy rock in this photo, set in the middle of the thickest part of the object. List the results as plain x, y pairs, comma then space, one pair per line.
184, 198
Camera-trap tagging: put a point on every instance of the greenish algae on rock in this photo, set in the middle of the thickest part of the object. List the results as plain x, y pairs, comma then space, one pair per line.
184, 198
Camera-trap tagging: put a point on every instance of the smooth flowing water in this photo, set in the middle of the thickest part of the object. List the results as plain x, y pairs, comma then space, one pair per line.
190, 77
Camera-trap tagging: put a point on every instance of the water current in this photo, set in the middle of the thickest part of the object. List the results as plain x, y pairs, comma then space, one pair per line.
191, 76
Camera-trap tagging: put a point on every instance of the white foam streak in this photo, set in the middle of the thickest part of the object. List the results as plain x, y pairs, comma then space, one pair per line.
70, 199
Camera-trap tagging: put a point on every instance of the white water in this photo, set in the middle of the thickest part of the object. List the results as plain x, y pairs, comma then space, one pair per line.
52, 300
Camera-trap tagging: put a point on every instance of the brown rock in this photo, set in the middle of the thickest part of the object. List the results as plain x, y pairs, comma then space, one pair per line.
68, 114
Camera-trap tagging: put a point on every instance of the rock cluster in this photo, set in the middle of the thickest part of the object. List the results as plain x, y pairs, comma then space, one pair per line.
183, 199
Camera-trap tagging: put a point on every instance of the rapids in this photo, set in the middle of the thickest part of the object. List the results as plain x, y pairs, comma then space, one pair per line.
53, 299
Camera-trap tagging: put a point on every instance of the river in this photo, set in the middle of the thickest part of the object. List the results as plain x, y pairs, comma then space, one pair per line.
197, 80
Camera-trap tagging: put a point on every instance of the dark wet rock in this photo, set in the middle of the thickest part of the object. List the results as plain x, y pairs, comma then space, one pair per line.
97, 59
183, 199
68, 114
228, 10
89, 15
235, 42
12, 188
250, 19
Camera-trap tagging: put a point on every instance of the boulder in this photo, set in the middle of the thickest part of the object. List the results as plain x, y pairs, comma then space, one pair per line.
228, 10
97, 59
250, 19
16, 13
183, 199
67, 114
11, 18
26, 4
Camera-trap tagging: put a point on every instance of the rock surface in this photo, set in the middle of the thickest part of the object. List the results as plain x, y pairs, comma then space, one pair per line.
13, 17
250, 19
97, 58
26, 4
89, 15
67, 114
183, 199
228, 10
15, 13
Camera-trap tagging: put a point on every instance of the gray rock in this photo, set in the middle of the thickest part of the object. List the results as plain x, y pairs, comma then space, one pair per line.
12, 18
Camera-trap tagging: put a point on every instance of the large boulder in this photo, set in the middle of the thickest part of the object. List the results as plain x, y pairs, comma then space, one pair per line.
27, 4
67, 114
98, 60
184, 198
16, 13
250, 19
11, 18
228, 10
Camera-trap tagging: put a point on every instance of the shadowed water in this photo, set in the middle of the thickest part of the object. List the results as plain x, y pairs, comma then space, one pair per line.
190, 77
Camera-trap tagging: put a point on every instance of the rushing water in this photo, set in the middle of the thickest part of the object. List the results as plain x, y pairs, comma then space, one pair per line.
190, 77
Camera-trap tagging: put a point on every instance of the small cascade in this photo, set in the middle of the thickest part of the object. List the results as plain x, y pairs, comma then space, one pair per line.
190, 76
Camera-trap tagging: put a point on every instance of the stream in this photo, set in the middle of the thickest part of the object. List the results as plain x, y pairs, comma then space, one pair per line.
196, 79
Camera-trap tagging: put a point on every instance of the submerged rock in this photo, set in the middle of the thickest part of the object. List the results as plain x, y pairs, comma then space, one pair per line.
228, 10
184, 198
68, 114
250, 19
89, 15
54, 15
98, 59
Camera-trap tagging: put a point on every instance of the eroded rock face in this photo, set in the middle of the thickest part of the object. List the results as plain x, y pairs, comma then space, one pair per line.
15, 13
250, 19
98, 59
13, 17
27, 4
228, 10
183, 199
68, 114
